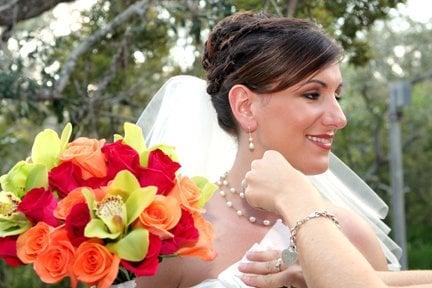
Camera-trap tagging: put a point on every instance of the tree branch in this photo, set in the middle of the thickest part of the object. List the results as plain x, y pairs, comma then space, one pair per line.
15, 11
138, 8
291, 7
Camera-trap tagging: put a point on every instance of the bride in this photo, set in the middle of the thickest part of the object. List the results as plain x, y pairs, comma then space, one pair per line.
272, 84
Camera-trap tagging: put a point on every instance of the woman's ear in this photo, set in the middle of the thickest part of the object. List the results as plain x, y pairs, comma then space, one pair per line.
241, 99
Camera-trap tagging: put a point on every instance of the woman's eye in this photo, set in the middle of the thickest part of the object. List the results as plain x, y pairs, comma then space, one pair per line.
311, 96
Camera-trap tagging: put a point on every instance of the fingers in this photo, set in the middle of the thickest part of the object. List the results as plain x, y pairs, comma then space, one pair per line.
263, 256
265, 281
290, 277
263, 262
261, 268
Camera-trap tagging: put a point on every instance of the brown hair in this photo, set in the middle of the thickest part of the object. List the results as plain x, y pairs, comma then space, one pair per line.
263, 52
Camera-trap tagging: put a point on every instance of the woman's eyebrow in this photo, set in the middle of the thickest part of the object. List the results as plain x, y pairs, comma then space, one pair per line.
322, 83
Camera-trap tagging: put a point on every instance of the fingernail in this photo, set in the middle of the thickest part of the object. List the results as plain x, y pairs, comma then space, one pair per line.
242, 266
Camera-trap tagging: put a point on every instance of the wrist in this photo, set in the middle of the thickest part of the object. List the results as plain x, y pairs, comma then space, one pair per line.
291, 208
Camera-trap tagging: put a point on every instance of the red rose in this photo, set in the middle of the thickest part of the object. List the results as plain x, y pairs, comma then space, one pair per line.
8, 251
158, 160
76, 222
38, 205
160, 172
185, 234
64, 178
150, 177
94, 182
150, 264
119, 157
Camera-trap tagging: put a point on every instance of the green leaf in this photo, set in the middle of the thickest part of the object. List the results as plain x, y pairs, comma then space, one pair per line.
65, 136
134, 137
133, 247
96, 228
46, 148
207, 189
139, 200
37, 177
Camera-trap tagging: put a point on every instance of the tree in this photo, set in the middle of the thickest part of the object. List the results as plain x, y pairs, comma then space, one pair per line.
397, 55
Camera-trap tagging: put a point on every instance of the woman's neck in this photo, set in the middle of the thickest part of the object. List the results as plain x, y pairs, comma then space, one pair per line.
235, 176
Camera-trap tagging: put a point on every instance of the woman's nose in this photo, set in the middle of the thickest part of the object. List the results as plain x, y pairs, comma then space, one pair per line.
334, 115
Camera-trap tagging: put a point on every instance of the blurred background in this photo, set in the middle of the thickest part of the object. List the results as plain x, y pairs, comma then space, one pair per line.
96, 63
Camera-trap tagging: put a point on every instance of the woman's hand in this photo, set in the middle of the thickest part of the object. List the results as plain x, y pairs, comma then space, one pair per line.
272, 179
266, 271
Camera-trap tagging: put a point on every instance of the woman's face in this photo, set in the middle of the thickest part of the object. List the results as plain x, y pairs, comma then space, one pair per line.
301, 121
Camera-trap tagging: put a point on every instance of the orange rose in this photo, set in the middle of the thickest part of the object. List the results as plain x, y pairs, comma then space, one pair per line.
95, 265
55, 262
33, 242
65, 205
87, 154
160, 216
204, 247
187, 194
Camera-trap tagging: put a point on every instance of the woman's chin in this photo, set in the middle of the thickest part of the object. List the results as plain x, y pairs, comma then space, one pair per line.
315, 168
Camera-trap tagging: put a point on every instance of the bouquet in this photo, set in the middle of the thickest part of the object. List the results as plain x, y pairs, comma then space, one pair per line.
93, 211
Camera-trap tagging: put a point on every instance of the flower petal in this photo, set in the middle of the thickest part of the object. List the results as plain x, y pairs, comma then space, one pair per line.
97, 228
37, 178
139, 200
65, 136
134, 137
207, 189
133, 247
123, 184
46, 148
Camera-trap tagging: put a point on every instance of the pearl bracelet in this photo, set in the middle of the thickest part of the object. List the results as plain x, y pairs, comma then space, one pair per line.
289, 255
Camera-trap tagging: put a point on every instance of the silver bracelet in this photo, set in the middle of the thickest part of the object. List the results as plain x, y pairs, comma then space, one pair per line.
289, 255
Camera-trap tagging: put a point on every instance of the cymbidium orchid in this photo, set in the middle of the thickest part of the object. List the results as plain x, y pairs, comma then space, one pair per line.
33, 173
12, 222
111, 217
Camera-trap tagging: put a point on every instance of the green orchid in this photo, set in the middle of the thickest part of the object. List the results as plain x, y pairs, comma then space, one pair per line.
207, 189
12, 222
47, 146
26, 175
23, 177
133, 137
111, 217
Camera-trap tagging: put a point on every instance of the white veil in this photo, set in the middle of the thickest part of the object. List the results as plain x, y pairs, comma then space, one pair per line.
181, 114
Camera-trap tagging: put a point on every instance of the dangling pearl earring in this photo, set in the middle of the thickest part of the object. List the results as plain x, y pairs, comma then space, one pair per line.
251, 144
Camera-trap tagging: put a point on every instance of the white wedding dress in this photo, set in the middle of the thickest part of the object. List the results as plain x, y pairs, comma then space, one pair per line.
277, 238
181, 115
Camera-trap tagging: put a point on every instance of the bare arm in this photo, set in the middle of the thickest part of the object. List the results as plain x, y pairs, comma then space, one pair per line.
361, 235
406, 278
327, 258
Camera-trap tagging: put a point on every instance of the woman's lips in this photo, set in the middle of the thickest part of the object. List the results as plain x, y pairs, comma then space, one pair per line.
323, 141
